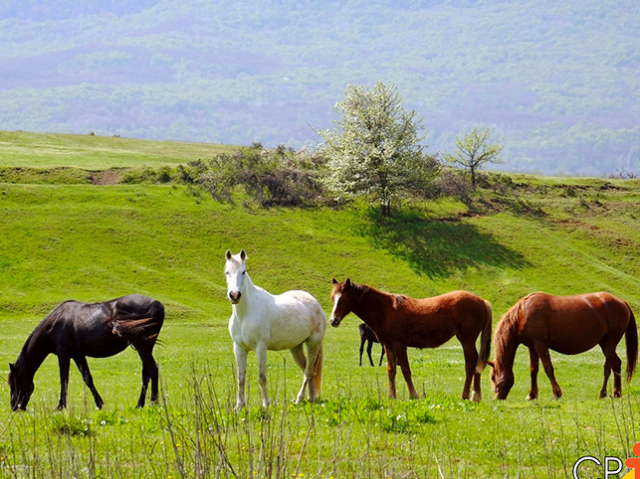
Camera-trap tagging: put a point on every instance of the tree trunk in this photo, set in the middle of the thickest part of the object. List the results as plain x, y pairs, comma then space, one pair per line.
385, 209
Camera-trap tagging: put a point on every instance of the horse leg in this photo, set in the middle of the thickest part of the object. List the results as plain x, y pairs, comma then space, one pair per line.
607, 368
149, 372
391, 371
301, 361
616, 365
543, 352
261, 355
83, 367
613, 362
533, 369
313, 350
381, 356
241, 361
470, 365
362, 341
403, 360
63, 362
369, 347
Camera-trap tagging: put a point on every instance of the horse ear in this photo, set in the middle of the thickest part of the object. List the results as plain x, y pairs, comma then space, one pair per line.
228, 254
334, 281
243, 255
347, 283
12, 368
490, 363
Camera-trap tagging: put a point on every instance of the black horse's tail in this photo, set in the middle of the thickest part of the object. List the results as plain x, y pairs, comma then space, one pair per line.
139, 329
631, 341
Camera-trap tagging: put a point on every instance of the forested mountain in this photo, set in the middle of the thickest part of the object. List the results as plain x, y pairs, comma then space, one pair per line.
558, 81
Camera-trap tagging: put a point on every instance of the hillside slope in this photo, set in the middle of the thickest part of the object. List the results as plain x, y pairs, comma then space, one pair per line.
94, 242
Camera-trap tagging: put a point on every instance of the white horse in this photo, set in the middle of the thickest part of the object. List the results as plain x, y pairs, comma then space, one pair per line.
261, 321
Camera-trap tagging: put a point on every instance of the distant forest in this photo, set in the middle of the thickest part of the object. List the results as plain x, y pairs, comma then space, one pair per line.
558, 82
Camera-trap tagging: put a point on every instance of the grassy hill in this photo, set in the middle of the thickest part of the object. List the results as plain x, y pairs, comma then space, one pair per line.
92, 152
96, 242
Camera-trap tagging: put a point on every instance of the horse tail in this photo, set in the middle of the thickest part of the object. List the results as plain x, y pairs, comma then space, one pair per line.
137, 328
631, 342
485, 340
317, 372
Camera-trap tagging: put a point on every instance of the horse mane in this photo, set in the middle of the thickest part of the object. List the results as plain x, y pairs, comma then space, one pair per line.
362, 289
22, 357
505, 340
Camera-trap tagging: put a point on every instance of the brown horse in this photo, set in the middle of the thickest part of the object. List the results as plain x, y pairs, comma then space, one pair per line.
568, 325
401, 322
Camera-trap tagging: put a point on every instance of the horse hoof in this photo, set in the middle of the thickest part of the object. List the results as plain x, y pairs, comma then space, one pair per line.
476, 397
531, 397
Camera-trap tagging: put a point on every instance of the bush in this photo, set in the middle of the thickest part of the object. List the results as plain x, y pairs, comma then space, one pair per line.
278, 177
451, 183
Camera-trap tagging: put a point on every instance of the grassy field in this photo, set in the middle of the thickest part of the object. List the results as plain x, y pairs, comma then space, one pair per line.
93, 243
92, 152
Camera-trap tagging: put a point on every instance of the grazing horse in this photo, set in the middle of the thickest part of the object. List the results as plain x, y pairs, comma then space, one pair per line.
75, 330
369, 337
568, 325
400, 322
261, 321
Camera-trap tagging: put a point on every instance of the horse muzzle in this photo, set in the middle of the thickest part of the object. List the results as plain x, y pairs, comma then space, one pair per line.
335, 322
234, 297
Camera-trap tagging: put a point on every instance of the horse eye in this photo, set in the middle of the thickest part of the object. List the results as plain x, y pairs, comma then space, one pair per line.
243, 272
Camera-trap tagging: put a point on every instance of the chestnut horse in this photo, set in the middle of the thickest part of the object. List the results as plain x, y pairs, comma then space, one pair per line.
568, 325
401, 322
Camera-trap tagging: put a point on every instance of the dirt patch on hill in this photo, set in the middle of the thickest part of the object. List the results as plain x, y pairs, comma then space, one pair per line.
109, 177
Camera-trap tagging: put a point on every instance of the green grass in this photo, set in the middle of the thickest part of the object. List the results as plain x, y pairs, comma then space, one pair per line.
92, 152
94, 243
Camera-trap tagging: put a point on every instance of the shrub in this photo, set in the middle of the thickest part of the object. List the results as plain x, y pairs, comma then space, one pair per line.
278, 177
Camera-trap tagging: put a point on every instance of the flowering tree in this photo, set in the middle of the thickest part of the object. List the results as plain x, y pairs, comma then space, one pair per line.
376, 149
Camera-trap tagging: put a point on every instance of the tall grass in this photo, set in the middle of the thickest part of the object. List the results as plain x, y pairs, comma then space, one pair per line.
197, 433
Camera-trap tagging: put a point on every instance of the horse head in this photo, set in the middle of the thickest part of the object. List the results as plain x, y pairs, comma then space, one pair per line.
343, 297
235, 271
21, 388
501, 380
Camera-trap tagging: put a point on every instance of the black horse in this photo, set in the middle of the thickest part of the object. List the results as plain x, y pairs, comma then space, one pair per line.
367, 334
75, 330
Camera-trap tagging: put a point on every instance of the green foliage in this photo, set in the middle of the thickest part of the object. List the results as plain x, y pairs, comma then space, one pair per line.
375, 149
69, 425
474, 152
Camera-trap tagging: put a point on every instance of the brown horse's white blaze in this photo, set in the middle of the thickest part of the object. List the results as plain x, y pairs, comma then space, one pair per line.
400, 322
568, 325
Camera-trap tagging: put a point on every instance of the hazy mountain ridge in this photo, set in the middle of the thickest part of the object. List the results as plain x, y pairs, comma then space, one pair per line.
558, 83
